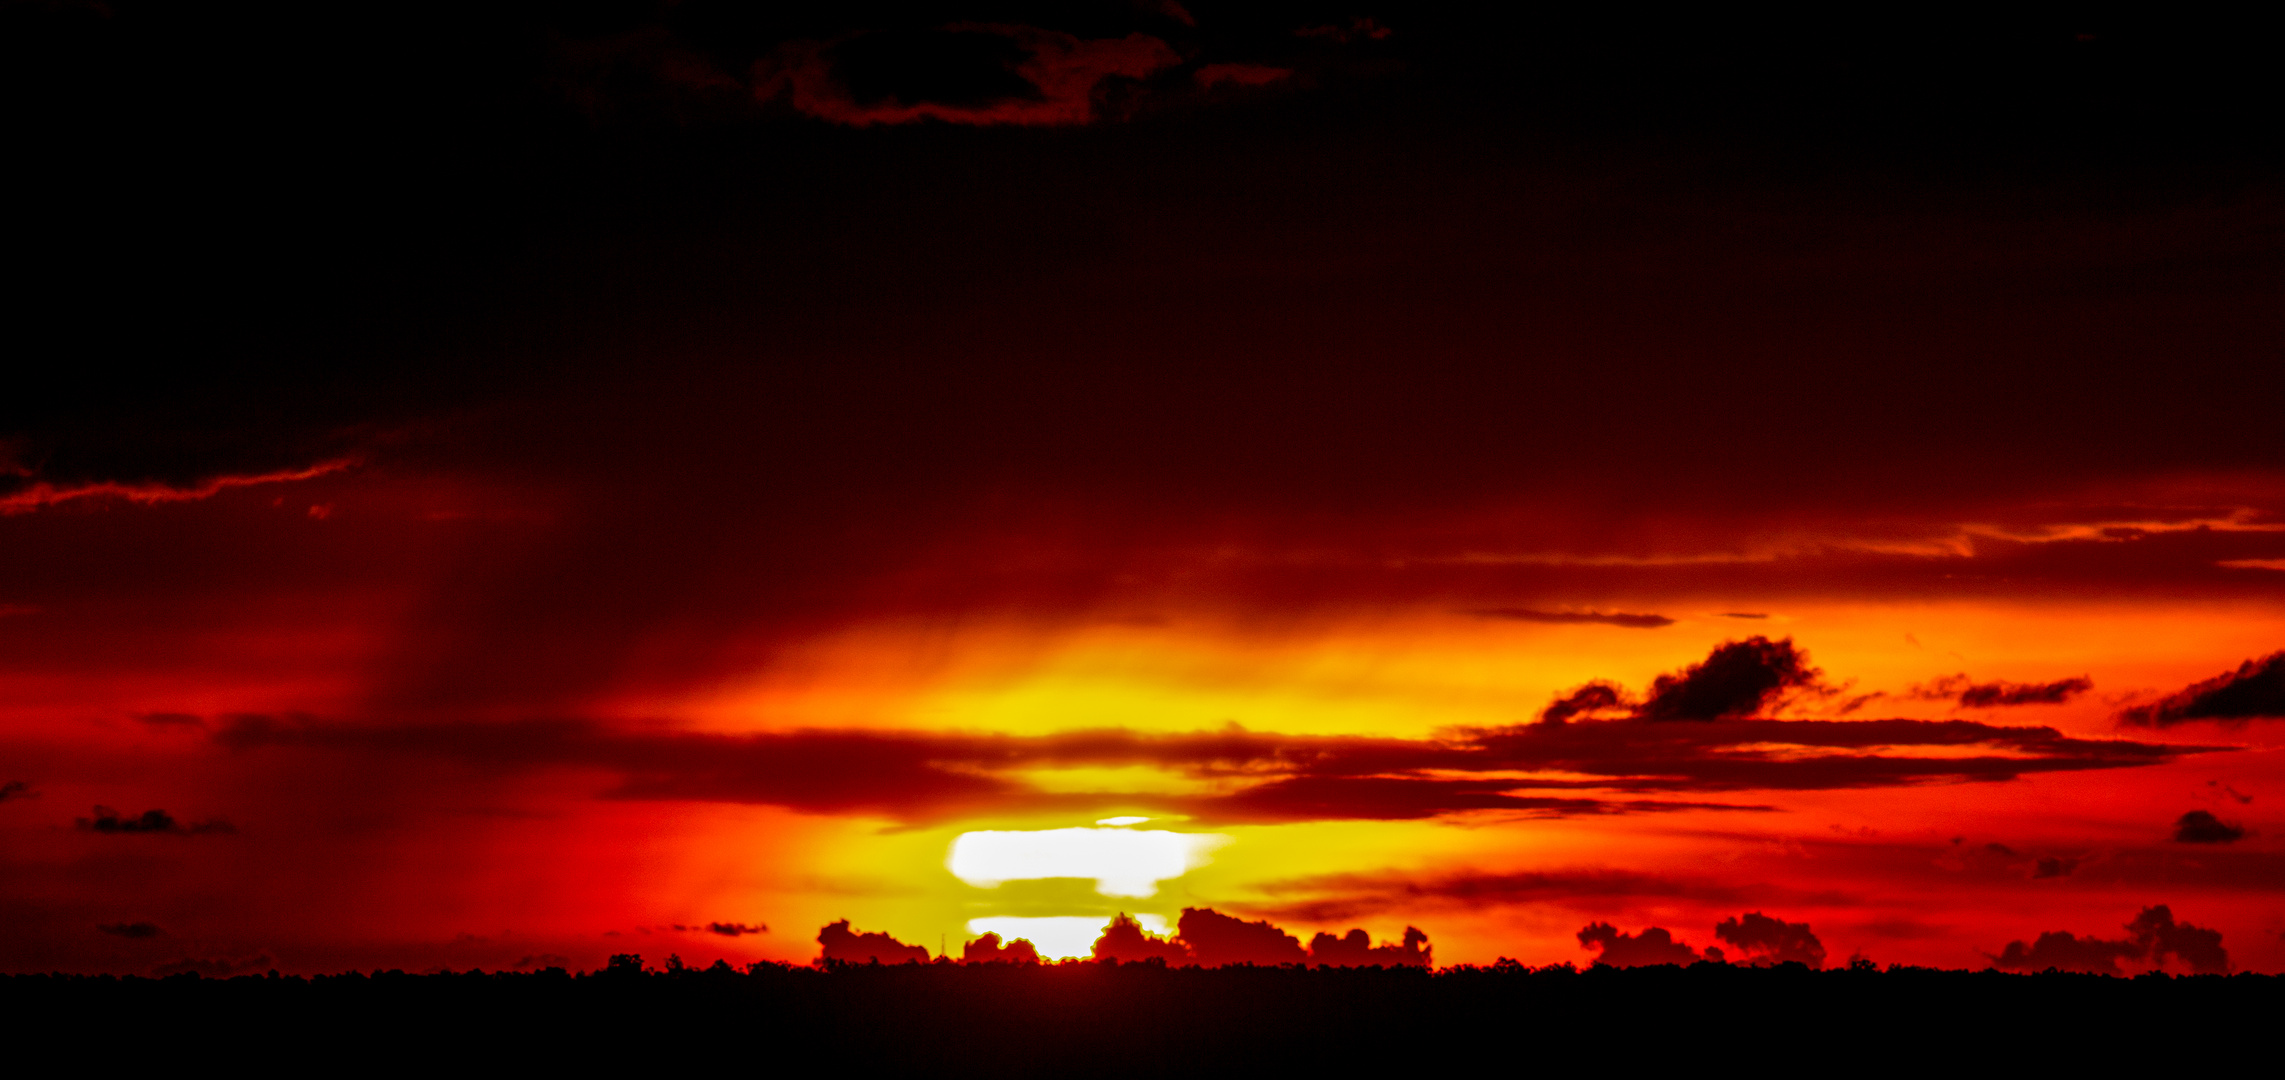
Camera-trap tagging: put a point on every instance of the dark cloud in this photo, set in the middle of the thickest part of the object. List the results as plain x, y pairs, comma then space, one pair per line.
917, 775
1240, 74
1356, 949
1611, 618
17, 789
1737, 679
733, 929
1125, 941
543, 960
2153, 935
2065, 951
132, 930
1999, 694
107, 820
982, 74
171, 720
26, 493
1591, 698
988, 950
217, 967
1772, 941
2256, 690
2053, 867
2202, 827
1215, 940
2156, 931
1334, 897
1650, 947
1745, 614
839, 944
1207, 938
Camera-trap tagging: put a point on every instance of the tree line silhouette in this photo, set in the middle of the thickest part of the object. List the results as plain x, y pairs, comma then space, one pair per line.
1122, 1019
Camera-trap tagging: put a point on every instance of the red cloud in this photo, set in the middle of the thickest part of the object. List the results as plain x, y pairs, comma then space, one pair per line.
957, 75
913, 775
33, 496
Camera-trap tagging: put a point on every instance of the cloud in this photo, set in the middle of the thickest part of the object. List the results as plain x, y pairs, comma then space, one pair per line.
1125, 941
2153, 935
1594, 697
1208, 938
107, 820
2156, 931
24, 495
1332, 897
1355, 949
216, 968
1737, 679
732, 929
1613, 767
1215, 940
1650, 947
1745, 614
17, 789
2202, 827
132, 930
1610, 618
1240, 74
966, 73
2065, 951
2053, 867
2256, 690
988, 950
839, 944
1999, 693
1772, 941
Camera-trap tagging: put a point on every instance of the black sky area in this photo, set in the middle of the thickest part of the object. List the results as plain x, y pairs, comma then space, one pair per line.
1703, 260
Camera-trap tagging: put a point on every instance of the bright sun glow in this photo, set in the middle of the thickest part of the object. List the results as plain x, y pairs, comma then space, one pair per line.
1123, 862
1063, 937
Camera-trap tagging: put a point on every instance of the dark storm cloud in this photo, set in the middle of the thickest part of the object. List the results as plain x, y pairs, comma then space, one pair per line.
132, 930
1612, 618
1739, 678
2001, 694
17, 789
2256, 690
1268, 776
1215, 939
2053, 867
107, 820
838, 943
2202, 827
1592, 698
1765, 940
1651, 947
215, 967
988, 950
981, 74
2065, 951
1333, 897
733, 929
2153, 935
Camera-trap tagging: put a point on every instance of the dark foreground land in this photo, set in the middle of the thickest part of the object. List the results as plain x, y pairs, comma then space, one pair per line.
1144, 1019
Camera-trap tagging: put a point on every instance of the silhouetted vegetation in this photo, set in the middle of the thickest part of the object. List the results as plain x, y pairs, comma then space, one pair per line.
1107, 1019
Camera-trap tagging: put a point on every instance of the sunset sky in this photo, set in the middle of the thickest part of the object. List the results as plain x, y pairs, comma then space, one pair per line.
509, 489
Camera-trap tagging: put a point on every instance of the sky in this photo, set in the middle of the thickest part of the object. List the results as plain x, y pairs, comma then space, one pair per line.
506, 486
